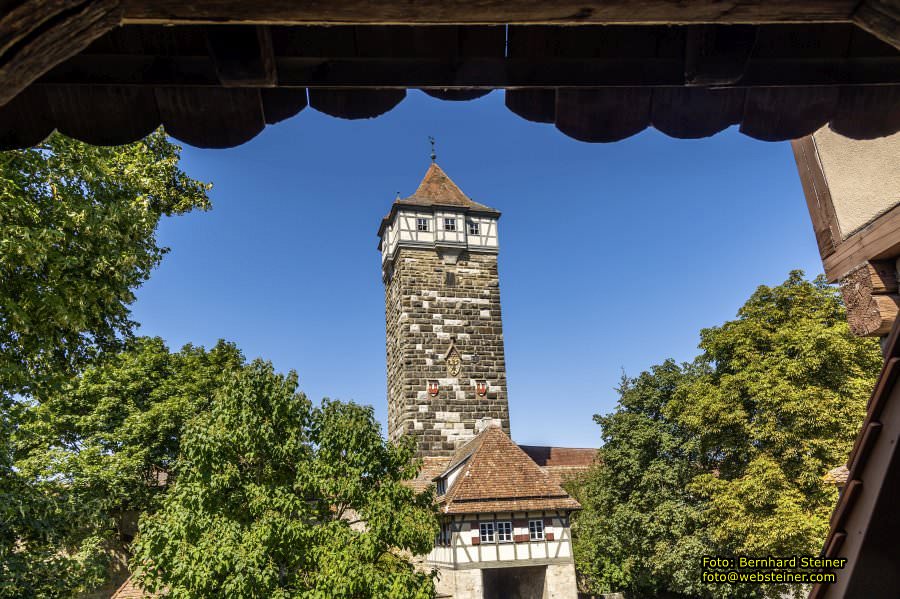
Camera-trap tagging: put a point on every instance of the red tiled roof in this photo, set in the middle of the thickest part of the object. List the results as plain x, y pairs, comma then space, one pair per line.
432, 466
496, 475
837, 476
437, 189
130, 590
544, 455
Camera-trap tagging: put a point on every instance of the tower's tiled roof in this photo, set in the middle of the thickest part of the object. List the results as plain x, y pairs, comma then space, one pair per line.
496, 475
435, 190
131, 590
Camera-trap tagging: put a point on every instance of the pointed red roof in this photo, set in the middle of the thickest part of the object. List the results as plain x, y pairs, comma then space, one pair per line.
437, 189
496, 475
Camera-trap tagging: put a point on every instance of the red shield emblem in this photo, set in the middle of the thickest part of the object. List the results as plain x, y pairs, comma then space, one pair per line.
433, 388
481, 388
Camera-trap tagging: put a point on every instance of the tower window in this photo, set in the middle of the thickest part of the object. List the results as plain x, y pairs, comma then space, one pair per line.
487, 532
449, 224
474, 228
421, 224
536, 530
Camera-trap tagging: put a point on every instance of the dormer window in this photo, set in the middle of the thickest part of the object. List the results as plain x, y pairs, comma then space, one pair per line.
421, 224
474, 228
441, 486
450, 224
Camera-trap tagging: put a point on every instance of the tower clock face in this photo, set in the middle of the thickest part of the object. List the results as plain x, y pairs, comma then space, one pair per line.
453, 364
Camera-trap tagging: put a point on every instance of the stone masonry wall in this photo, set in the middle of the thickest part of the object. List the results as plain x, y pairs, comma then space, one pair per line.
431, 302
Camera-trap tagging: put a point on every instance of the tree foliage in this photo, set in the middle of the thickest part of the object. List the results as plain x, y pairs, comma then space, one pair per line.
77, 236
34, 518
278, 498
98, 451
725, 456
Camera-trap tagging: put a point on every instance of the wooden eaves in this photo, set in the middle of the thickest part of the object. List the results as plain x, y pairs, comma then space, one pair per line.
216, 72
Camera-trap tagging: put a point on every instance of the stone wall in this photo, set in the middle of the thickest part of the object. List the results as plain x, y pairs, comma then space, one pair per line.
561, 582
459, 584
435, 304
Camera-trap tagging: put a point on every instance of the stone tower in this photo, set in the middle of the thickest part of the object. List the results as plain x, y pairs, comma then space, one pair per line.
445, 362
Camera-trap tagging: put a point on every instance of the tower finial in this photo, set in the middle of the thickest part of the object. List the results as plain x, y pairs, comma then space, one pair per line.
433, 154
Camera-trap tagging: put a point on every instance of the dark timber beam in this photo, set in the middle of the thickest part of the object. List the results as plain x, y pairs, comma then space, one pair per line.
242, 55
35, 35
559, 12
716, 55
476, 72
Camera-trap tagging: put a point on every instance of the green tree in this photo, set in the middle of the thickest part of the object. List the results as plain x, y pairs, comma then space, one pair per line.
103, 447
278, 498
780, 405
77, 236
637, 529
33, 522
725, 456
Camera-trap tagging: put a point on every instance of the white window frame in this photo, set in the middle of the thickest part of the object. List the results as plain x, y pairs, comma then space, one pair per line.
441, 486
487, 533
422, 224
536, 530
450, 225
474, 227
504, 531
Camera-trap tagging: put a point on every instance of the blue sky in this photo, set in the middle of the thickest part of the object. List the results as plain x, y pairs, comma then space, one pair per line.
612, 256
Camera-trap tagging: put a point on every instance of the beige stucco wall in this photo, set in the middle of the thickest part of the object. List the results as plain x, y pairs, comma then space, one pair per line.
863, 176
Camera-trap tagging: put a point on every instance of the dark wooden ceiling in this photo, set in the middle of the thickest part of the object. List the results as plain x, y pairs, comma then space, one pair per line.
215, 73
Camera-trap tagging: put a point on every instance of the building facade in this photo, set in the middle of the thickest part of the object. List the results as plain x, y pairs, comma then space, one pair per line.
505, 519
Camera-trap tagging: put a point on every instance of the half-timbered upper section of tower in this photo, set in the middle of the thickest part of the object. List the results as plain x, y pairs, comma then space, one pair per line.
438, 215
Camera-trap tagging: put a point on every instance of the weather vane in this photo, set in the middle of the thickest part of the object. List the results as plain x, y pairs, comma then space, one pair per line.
433, 154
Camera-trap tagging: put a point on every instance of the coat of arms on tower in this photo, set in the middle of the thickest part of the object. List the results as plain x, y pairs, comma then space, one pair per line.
481, 388
433, 388
453, 361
